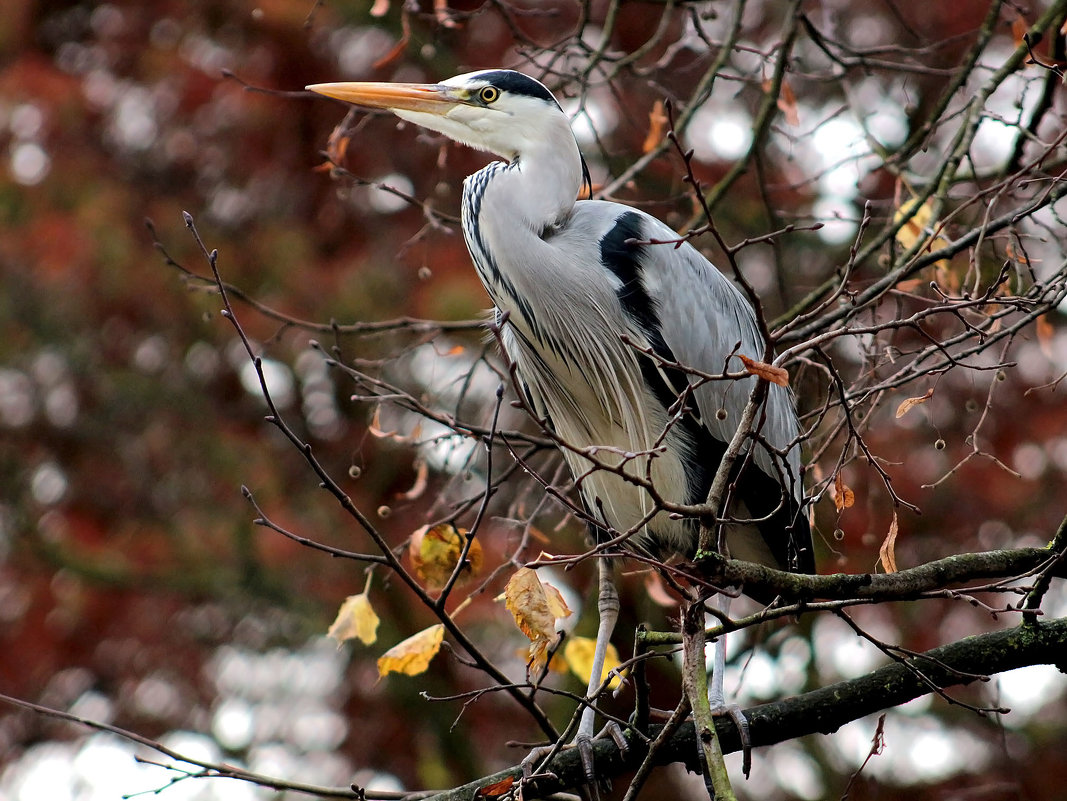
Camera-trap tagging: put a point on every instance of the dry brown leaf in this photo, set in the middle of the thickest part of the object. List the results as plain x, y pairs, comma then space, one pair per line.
768, 372
787, 104
908, 404
910, 284
1019, 28
435, 551
657, 126
412, 656
422, 480
1019, 257
375, 427
1045, 332
499, 788
578, 653
844, 497
399, 48
355, 619
887, 553
336, 148
526, 599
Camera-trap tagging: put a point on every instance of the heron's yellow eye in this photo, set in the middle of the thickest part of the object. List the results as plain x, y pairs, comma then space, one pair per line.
488, 94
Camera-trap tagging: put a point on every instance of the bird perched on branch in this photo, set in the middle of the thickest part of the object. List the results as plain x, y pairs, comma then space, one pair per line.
621, 345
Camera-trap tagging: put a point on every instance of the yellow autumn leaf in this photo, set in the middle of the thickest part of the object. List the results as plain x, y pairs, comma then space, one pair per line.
556, 605
578, 654
525, 598
355, 619
919, 227
907, 404
412, 656
528, 600
435, 551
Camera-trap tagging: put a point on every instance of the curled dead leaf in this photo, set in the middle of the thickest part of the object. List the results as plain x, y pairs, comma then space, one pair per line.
657, 125
399, 48
535, 606
422, 476
435, 551
908, 404
843, 495
787, 104
887, 553
1045, 333
412, 656
355, 619
375, 427
768, 372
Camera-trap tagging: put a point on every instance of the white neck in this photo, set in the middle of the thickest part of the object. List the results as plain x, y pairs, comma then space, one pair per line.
540, 186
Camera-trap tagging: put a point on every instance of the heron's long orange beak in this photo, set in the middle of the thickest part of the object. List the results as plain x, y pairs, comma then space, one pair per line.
429, 98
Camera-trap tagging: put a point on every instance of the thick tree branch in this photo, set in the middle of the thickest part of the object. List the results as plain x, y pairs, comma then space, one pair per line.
821, 711
761, 581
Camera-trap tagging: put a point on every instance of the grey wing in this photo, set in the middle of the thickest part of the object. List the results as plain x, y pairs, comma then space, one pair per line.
704, 321
707, 322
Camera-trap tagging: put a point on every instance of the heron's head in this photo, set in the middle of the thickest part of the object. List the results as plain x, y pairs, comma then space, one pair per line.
502, 111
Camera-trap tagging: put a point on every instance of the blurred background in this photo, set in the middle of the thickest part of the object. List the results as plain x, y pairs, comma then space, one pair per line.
135, 589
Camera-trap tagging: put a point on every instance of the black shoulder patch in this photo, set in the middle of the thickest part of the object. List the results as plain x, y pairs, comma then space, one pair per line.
622, 257
518, 84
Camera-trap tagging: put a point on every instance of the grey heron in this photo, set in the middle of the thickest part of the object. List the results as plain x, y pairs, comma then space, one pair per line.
600, 324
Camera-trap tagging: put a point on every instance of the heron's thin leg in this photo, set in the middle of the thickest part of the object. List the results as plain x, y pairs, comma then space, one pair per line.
608, 607
717, 693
